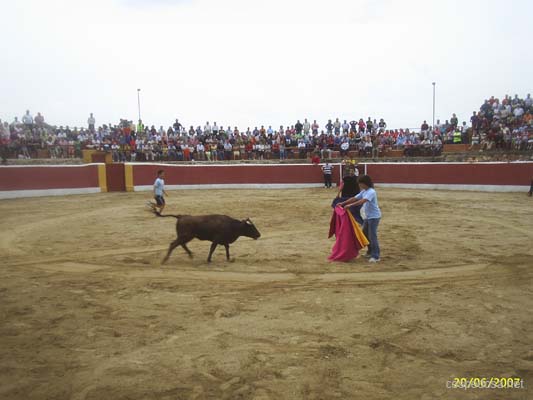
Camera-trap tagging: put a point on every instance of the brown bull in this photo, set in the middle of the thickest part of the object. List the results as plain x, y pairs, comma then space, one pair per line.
218, 229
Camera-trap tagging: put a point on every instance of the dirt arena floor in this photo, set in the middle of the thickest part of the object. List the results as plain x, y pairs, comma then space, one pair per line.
88, 312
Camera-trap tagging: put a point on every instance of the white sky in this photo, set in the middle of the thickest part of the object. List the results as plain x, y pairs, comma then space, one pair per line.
260, 62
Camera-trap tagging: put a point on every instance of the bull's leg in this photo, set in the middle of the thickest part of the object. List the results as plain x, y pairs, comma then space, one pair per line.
172, 246
178, 242
187, 250
227, 251
211, 250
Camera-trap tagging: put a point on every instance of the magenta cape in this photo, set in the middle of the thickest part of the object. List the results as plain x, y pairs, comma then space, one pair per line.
349, 238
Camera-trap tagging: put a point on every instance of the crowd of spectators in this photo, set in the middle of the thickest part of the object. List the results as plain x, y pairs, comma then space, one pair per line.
505, 124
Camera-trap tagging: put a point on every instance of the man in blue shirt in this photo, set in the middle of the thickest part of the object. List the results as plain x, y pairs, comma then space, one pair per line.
159, 191
369, 199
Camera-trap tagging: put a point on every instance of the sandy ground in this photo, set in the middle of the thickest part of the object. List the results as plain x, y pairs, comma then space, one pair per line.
87, 312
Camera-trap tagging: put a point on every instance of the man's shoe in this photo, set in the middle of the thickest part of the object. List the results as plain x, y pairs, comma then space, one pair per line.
373, 260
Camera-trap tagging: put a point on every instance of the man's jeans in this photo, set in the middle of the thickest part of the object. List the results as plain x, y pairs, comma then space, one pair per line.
370, 229
327, 180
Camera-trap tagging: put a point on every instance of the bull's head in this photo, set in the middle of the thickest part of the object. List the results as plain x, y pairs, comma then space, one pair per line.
250, 230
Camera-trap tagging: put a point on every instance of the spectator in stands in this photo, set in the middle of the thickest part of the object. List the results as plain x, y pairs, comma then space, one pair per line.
337, 126
501, 125
382, 125
345, 127
369, 126
368, 146
91, 121
213, 149
299, 127
375, 147
345, 146
39, 120
454, 121
177, 127
186, 152
528, 102
237, 151
325, 152
518, 111
200, 151
27, 119
248, 149
228, 149
329, 127
15, 124
301, 149
314, 128
207, 128
362, 125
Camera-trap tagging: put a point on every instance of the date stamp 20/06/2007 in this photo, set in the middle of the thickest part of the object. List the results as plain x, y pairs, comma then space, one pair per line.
492, 382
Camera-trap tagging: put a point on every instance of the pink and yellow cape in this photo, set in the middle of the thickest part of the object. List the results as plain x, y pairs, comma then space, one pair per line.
349, 238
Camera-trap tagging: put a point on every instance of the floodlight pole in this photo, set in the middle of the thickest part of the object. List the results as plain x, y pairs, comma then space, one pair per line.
139, 102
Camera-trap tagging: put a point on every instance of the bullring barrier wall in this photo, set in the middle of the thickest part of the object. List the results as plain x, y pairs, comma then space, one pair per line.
487, 177
231, 176
28, 181
51, 180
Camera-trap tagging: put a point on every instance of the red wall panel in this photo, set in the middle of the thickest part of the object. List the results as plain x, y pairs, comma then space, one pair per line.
39, 177
448, 173
220, 174
66, 177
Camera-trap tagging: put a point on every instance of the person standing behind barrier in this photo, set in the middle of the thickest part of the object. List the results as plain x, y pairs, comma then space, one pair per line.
369, 199
327, 169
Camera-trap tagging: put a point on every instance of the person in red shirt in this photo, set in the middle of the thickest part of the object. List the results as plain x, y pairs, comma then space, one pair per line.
249, 149
315, 159
362, 125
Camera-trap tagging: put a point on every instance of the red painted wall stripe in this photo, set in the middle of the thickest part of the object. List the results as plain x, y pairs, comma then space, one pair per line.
33, 178
453, 174
246, 174
38, 177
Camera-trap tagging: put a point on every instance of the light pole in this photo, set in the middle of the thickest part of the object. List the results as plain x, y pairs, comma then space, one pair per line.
433, 106
139, 102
